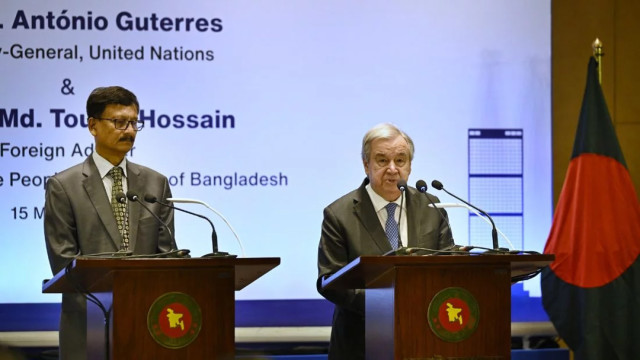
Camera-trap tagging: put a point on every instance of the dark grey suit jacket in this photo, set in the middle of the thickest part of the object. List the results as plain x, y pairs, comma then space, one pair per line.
78, 220
351, 228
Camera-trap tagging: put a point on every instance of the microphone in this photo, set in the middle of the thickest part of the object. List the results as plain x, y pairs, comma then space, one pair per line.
214, 237
134, 197
130, 195
402, 186
421, 185
494, 232
121, 198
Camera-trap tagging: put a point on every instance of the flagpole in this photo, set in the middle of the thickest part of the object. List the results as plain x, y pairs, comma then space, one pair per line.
598, 53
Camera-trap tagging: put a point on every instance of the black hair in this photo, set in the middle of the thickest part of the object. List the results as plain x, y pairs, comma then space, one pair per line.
103, 96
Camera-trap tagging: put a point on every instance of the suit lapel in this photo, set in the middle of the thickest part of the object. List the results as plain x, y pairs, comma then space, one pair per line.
364, 211
135, 184
94, 187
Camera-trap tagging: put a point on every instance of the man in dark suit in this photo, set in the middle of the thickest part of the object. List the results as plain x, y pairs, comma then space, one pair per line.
368, 221
82, 215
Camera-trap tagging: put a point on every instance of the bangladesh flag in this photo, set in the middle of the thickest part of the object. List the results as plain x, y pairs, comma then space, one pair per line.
591, 291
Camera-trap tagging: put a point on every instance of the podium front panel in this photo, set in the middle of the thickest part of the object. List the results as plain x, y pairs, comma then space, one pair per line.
160, 308
398, 324
213, 291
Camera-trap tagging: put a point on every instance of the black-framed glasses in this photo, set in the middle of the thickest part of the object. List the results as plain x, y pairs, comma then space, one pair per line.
123, 124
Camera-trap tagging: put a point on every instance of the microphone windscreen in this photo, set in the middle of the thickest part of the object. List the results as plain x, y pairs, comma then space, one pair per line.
402, 185
120, 197
150, 198
132, 196
437, 184
421, 185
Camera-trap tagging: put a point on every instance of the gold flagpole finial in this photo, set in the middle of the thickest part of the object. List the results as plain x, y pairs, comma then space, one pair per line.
598, 53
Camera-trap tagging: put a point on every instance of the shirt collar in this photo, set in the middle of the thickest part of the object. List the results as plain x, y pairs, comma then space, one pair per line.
104, 165
378, 201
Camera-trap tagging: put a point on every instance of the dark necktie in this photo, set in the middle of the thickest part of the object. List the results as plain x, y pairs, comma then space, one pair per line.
391, 228
119, 209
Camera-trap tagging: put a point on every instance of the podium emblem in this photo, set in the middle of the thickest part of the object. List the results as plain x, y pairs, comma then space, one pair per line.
174, 320
453, 314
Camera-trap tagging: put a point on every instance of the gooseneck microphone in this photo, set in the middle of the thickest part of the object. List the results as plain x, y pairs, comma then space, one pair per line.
421, 185
134, 197
402, 186
214, 237
494, 232
121, 198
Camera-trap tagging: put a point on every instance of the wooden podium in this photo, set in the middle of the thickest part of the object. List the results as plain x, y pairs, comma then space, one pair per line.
152, 301
432, 307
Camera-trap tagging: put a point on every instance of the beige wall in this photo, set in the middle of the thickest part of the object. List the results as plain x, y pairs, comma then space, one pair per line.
574, 27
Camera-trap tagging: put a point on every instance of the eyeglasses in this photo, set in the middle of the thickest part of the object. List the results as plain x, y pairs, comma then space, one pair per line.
123, 124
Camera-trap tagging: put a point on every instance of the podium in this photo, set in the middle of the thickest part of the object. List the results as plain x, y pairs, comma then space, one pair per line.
432, 307
161, 308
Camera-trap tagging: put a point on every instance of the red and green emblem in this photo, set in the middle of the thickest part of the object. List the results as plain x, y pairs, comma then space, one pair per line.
453, 314
174, 320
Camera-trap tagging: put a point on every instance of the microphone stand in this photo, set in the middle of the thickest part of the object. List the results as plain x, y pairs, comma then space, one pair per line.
494, 232
214, 236
194, 201
135, 198
421, 185
486, 219
402, 186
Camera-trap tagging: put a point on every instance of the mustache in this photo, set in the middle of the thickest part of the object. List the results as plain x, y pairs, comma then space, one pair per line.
127, 138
